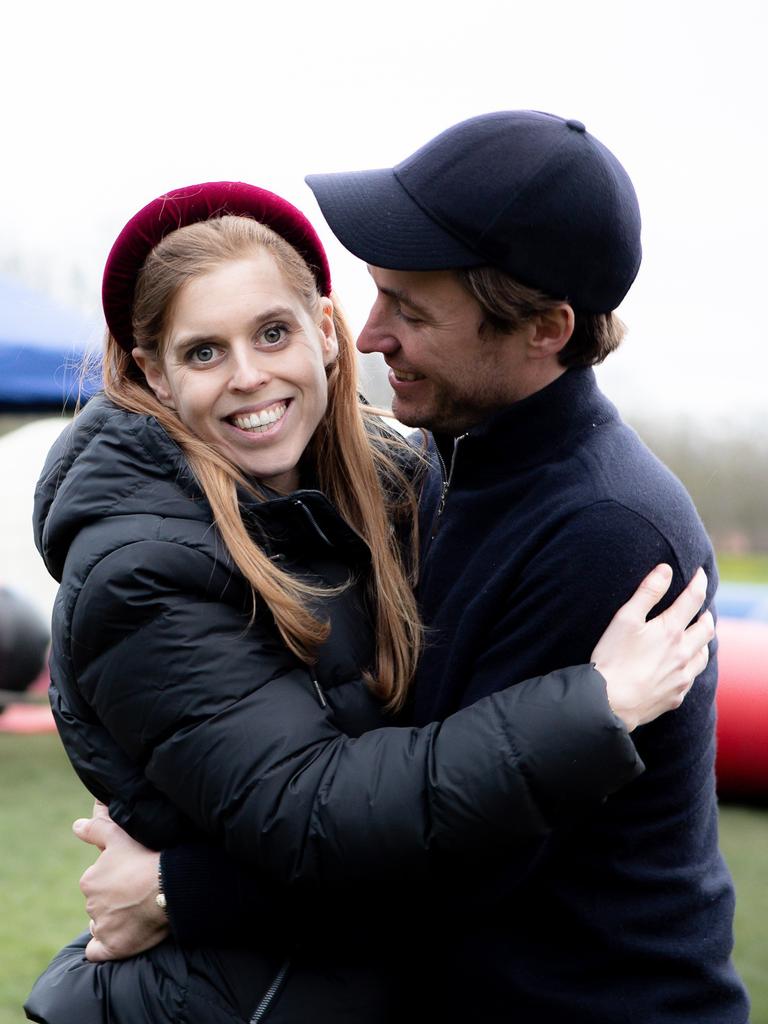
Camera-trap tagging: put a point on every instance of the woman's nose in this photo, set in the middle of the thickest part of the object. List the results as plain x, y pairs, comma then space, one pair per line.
249, 372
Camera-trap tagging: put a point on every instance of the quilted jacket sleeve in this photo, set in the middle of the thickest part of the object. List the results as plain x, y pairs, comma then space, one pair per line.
227, 725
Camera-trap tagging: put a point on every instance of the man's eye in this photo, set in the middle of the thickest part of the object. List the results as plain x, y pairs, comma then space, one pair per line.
407, 319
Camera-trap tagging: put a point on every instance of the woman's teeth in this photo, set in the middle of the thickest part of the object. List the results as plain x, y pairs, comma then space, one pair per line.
260, 421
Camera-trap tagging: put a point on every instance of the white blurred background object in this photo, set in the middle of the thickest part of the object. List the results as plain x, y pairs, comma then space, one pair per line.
22, 454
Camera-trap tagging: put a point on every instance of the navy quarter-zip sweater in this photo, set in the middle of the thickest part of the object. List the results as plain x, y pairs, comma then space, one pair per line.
554, 513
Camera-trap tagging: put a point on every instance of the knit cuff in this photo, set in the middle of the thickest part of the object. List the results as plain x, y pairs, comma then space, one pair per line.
211, 899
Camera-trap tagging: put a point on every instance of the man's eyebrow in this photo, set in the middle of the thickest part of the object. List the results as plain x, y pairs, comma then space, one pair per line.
402, 296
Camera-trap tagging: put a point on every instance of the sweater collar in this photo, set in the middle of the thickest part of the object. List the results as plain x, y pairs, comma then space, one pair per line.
529, 431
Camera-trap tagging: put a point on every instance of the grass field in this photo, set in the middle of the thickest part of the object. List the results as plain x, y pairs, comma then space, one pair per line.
743, 568
41, 862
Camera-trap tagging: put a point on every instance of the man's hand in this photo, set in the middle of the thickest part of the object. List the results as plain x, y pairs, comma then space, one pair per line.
649, 667
120, 891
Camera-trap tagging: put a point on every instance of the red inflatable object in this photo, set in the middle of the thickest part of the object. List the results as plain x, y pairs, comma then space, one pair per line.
742, 708
27, 718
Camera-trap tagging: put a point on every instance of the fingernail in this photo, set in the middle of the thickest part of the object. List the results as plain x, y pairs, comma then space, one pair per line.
79, 824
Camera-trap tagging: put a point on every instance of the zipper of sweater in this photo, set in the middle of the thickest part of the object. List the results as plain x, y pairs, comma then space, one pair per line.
319, 691
269, 996
447, 476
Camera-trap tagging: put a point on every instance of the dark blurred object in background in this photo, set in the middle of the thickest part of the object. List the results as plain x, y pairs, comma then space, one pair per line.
24, 640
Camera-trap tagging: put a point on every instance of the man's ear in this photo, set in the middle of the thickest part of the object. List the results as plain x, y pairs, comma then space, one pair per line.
329, 342
552, 331
154, 373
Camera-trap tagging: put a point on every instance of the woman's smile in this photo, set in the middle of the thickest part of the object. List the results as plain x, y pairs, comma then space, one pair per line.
259, 422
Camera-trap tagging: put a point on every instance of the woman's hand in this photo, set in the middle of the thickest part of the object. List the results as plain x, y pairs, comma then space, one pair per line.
649, 667
120, 891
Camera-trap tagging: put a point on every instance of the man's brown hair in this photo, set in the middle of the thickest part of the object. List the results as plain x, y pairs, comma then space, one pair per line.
506, 305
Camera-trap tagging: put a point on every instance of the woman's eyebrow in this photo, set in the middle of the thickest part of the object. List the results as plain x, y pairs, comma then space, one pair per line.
208, 337
185, 340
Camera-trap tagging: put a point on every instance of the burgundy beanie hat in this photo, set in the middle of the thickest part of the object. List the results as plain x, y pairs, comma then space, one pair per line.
190, 205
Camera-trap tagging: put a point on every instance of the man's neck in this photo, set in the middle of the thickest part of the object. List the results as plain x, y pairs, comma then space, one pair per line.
539, 375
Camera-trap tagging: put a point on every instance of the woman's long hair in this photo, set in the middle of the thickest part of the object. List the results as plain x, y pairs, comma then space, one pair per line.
356, 468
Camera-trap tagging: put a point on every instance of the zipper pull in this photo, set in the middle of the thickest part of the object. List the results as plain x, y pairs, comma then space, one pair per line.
447, 477
443, 497
298, 503
319, 691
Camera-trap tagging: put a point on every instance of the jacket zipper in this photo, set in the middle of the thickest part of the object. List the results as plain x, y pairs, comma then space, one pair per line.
269, 996
447, 477
319, 691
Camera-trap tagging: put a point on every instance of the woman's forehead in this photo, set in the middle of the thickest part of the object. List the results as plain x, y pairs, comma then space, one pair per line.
240, 288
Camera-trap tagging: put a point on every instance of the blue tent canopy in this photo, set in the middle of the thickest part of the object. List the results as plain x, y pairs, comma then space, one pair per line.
42, 345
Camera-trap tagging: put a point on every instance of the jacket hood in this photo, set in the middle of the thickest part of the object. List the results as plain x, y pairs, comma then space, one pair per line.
109, 462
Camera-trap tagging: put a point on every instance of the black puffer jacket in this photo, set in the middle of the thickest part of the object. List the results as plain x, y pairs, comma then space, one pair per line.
185, 720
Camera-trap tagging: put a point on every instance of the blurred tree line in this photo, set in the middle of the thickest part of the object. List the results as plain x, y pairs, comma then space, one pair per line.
726, 473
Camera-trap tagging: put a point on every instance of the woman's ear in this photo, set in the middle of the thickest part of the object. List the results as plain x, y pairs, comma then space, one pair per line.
553, 331
329, 341
154, 373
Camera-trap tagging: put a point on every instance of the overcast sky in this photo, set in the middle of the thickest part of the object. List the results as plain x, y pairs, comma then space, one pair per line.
106, 106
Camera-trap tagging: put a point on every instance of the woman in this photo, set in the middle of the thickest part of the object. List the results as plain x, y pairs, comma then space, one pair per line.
234, 627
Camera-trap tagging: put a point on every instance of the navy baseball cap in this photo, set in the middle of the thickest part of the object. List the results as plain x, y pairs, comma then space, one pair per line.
530, 193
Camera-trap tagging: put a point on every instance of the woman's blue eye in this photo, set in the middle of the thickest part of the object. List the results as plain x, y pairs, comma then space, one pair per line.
203, 354
273, 334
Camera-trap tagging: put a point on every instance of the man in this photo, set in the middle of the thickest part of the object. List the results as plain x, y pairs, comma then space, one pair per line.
499, 251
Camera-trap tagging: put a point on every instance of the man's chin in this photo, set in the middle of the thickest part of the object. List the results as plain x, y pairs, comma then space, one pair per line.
407, 414
435, 420
415, 418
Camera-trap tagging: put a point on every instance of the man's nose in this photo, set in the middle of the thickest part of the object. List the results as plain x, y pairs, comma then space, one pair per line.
376, 335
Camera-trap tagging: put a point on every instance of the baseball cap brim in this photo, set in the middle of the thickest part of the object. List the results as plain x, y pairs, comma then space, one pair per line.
374, 217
